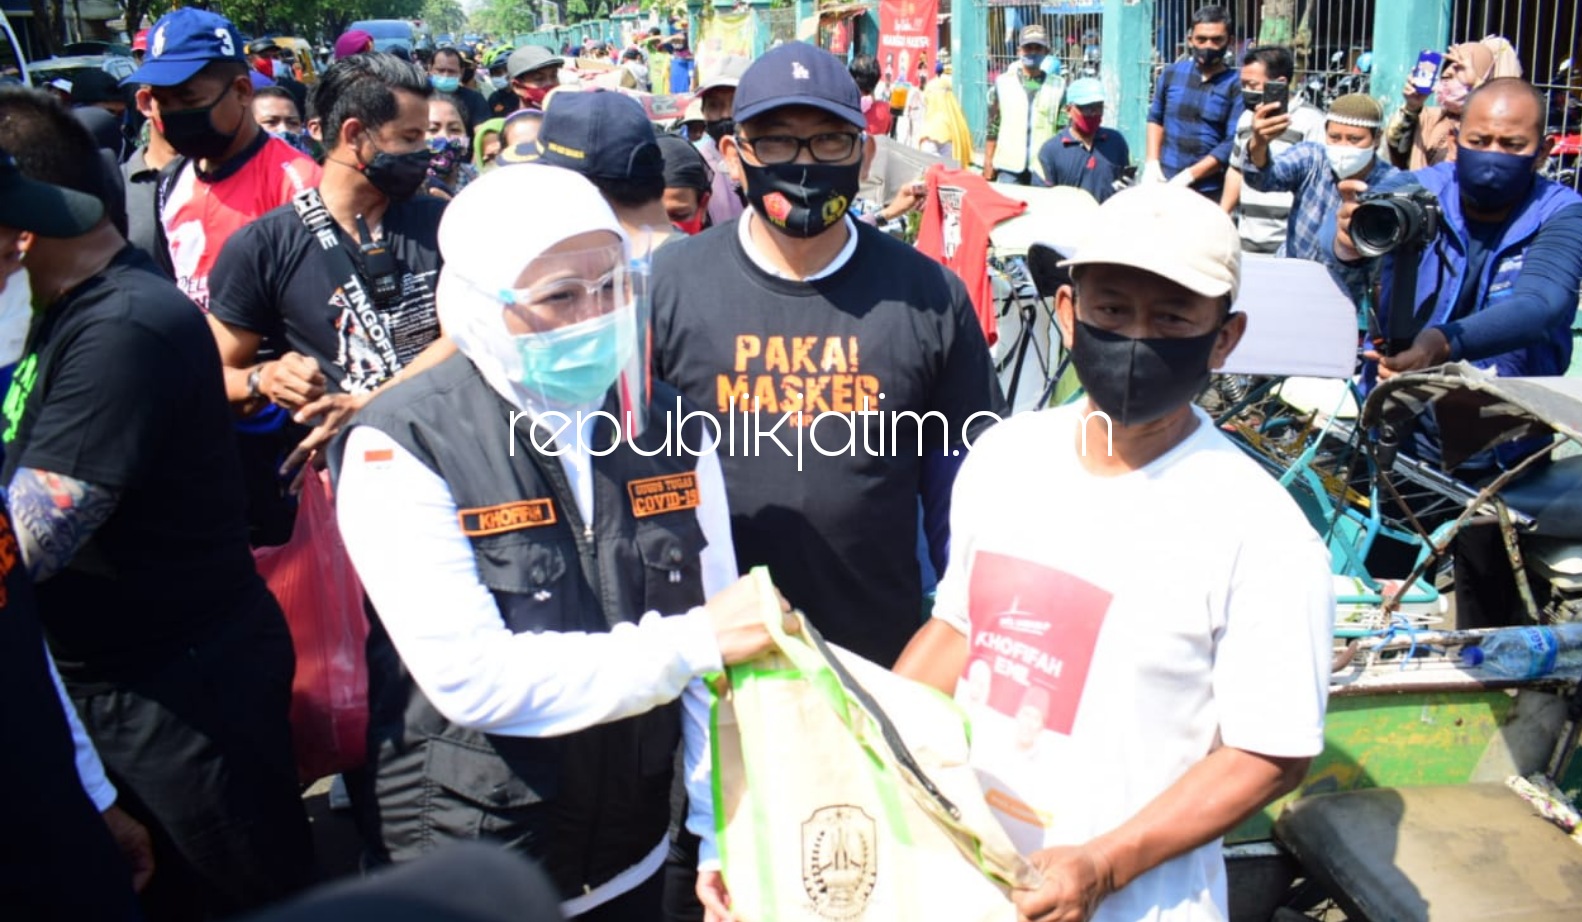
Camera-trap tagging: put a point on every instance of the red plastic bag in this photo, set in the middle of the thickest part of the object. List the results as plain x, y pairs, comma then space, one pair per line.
312, 578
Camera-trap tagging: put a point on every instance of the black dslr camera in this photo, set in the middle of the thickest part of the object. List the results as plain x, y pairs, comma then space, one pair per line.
1388, 221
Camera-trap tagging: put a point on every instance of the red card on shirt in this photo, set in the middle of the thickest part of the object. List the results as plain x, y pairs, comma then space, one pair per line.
1034, 629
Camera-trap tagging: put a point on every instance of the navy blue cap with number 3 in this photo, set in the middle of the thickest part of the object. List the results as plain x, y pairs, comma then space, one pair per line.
184, 42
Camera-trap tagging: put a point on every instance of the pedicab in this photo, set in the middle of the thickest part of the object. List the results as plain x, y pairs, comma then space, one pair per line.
1434, 796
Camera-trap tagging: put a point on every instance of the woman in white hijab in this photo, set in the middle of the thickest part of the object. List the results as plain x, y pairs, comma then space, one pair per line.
540, 569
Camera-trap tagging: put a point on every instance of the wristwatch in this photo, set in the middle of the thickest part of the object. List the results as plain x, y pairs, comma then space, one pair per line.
254, 379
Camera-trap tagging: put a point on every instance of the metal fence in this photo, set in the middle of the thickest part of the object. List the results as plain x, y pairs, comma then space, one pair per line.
1546, 40
780, 23
1331, 40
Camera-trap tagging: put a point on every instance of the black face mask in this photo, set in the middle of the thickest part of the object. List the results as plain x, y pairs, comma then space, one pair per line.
1207, 57
192, 133
1252, 100
1137, 381
398, 176
719, 128
802, 199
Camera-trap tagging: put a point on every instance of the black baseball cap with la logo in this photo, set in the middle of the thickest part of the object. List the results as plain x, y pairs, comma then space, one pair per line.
798, 74
43, 209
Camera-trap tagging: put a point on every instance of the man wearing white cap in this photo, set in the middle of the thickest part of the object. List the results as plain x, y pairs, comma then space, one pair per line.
540, 568
1313, 173
1180, 617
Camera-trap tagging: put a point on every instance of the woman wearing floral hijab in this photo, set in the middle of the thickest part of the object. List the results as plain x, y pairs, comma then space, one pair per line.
1420, 136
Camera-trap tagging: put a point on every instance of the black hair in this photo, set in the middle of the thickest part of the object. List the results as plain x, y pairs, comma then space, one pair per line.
631, 54
1211, 15
277, 92
1276, 60
631, 193
363, 87
1502, 85
865, 70
455, 102
48, 144
461, 62
225, 70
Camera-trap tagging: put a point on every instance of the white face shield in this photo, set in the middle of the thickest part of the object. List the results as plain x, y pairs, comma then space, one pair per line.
554, 314
578, 325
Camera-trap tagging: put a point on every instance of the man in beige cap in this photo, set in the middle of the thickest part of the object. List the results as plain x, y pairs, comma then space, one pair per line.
1183, 608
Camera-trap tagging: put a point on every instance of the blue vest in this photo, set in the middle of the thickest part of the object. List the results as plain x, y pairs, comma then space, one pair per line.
1444, 268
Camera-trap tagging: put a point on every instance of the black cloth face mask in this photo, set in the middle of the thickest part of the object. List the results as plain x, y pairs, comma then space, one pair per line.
1138, 381
398, 176
802, 199
192, 133
719, 128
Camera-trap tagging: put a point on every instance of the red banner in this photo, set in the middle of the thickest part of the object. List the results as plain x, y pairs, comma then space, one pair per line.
908, 36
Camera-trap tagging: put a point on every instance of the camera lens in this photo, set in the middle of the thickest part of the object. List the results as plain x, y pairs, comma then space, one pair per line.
1378, 227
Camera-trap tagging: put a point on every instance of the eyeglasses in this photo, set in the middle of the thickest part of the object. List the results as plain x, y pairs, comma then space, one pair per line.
828, 147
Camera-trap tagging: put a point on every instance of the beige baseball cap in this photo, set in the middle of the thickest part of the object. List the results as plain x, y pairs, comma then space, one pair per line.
1167, 230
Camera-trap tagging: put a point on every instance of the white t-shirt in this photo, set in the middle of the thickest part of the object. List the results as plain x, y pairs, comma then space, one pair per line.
1122, 628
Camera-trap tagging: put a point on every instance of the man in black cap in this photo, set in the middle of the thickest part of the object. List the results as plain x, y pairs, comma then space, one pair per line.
274, 62
533, 72
608, 138
688, 182
60, 858
126, 490
796, 314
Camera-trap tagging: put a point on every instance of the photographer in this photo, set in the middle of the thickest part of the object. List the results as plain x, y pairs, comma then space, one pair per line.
1503, 273
1313, 174
1496, 287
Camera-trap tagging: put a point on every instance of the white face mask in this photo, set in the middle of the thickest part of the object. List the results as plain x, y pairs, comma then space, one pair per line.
1348, 161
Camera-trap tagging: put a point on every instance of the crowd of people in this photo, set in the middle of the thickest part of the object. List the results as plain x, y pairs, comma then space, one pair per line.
511, 324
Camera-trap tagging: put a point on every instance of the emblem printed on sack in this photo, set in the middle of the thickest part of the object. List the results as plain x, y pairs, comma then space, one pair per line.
840, 863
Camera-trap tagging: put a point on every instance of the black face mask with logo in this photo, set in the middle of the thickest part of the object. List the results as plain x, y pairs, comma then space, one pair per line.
802, 199
192, 133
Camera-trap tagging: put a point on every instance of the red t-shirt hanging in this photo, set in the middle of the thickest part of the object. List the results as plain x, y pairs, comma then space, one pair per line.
962, 208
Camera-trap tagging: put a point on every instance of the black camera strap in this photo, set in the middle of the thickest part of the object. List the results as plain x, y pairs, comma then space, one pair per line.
1404, 325
316, 218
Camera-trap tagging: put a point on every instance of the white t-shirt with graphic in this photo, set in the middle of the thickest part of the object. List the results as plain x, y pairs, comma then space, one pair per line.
1122, 628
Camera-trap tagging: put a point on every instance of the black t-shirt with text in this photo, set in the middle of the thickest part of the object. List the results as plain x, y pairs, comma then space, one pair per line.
891, 332
121, 387
275, 280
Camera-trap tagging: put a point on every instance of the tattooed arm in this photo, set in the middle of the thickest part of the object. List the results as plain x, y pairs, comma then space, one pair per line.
55, 515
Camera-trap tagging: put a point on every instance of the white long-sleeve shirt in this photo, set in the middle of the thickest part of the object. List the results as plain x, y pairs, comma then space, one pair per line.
401, 528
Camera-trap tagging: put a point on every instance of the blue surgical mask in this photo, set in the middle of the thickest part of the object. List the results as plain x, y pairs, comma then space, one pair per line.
1032, 61
1491, 180
445, 84
575, 364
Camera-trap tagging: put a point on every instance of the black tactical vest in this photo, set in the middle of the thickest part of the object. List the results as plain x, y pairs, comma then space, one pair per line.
594, 803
